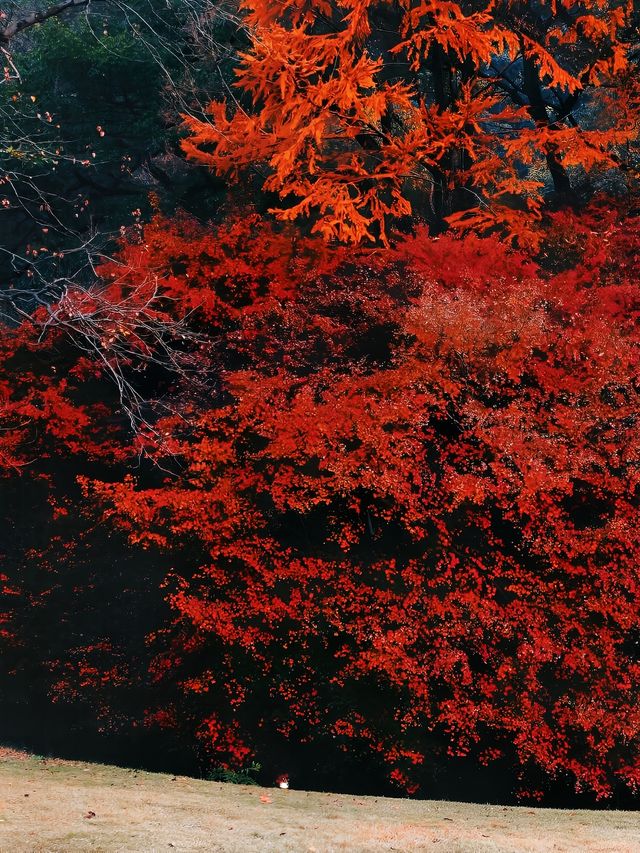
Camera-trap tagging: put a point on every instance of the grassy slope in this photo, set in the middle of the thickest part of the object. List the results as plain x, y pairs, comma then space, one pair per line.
47, 805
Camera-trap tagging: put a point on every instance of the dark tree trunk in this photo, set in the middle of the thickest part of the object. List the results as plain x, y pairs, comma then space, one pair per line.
538, 112
443, 93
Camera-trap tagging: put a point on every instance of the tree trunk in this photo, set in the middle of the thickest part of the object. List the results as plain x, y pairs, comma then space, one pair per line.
538, 111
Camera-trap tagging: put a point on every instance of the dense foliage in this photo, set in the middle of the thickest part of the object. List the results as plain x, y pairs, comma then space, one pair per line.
402, 516
356, 484
363, 113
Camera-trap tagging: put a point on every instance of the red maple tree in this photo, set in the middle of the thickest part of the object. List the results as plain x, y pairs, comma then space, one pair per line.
416, 480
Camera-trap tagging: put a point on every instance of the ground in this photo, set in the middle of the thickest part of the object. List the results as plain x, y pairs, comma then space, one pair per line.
52, 806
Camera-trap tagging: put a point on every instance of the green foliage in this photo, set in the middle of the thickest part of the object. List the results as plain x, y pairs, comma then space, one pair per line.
245, 776
90, 128
83, 117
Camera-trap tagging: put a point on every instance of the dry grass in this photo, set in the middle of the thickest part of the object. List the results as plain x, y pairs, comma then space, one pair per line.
63, 807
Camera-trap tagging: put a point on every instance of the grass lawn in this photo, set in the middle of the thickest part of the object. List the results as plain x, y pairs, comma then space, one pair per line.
61, 807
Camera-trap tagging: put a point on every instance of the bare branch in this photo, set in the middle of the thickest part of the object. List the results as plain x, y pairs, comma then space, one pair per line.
37, 17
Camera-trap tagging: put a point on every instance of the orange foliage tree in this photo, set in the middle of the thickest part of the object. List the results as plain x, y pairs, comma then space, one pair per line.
359, 114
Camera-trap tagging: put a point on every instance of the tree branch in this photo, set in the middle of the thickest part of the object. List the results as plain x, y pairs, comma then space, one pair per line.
32, 18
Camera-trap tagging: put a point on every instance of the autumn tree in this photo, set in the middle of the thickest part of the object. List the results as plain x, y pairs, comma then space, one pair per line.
405, 520
76, 602
84, 158
359, 114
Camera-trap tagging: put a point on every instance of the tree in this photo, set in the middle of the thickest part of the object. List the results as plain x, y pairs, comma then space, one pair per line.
84, 158
405, 523
359, 114
81, 150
